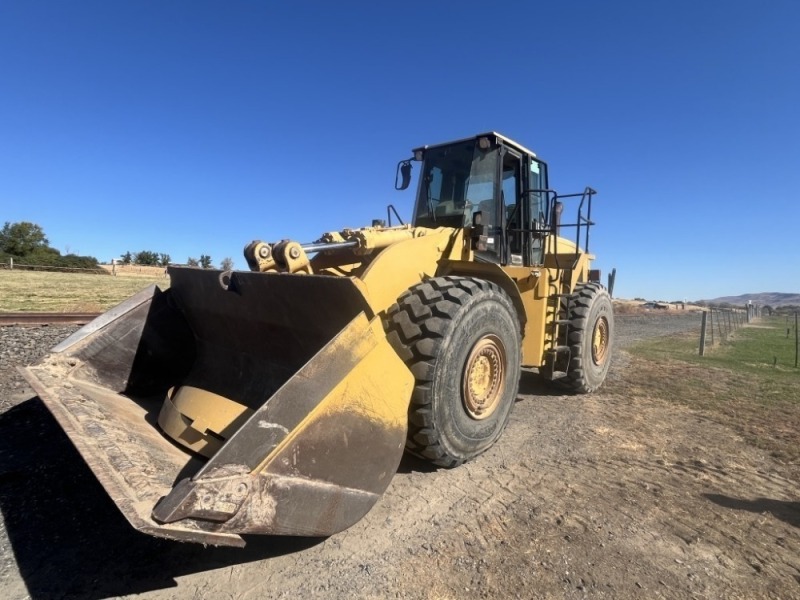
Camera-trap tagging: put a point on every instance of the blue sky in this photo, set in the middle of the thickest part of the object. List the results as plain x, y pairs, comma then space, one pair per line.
194, 127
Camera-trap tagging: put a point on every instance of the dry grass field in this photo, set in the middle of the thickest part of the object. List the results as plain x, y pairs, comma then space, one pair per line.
71, 292
750, 382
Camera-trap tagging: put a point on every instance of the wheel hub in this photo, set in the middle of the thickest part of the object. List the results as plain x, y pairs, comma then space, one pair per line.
600, 341
484, 377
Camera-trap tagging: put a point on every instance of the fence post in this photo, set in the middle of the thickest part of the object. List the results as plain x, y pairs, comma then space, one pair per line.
10, 263
703, 335
711, 312
796, 345
611, 279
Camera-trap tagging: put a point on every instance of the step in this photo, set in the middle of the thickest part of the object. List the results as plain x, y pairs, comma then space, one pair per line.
558, 350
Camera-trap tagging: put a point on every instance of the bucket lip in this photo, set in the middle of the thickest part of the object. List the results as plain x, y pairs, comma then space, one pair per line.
107, 317
114, 473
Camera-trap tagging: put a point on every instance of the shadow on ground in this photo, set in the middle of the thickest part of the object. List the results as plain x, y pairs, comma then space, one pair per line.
785, 510
413, 464
68, 537
530, 383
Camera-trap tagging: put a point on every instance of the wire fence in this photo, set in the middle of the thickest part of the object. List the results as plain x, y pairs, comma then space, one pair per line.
130, 270
12, 265
719, 324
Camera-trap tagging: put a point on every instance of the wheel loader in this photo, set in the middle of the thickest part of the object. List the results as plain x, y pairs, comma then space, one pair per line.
280, 400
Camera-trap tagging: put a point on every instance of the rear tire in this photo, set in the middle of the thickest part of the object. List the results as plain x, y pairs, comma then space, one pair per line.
460, 337
591, 338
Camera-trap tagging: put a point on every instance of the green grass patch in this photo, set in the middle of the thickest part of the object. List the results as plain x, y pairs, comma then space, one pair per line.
755, 347
67, 292
763, 345
748, 382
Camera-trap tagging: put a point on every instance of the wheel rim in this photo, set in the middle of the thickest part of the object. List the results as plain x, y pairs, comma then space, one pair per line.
600, 341
484, 377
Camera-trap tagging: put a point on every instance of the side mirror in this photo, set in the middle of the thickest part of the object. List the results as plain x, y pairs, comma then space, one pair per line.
403, 176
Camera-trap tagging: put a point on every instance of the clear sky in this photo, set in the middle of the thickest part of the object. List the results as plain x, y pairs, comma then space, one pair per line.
195, 127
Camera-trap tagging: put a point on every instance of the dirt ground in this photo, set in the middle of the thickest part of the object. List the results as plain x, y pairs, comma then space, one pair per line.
611, 495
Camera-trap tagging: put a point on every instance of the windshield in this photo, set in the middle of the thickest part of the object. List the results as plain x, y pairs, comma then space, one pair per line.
455, 180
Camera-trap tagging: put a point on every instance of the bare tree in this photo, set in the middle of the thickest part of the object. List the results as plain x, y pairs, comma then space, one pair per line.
226, 264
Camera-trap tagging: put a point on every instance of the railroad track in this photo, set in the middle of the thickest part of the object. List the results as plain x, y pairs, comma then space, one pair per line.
46, 318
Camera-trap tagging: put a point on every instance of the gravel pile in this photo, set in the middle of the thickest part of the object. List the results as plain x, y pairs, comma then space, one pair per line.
21, 346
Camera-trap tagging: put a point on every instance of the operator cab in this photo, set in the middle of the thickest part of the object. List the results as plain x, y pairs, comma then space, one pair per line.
488, 181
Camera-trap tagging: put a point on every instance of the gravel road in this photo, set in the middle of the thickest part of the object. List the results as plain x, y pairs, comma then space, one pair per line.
634, 328
609, 495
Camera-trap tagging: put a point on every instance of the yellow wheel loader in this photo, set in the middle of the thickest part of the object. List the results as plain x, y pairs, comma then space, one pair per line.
280, 400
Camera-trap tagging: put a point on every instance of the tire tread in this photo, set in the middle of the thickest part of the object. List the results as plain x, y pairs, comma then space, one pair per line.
416, 327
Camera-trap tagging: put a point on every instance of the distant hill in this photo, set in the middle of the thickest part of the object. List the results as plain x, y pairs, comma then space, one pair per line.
773, 299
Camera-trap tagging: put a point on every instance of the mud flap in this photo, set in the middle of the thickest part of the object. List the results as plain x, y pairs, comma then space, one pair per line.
326, 400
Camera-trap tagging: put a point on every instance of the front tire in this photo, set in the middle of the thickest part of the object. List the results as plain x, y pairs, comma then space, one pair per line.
460, 337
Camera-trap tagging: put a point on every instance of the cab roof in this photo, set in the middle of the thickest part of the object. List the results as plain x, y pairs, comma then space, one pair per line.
499, 137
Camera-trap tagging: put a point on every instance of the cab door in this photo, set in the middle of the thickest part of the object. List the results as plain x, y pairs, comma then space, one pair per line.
536, 209
485, 203
512, 193
524, 207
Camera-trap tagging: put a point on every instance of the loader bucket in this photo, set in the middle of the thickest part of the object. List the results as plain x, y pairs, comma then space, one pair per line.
285, 383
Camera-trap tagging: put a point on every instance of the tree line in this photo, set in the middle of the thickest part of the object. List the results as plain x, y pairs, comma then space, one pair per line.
161, 259
27, 244
147, 258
